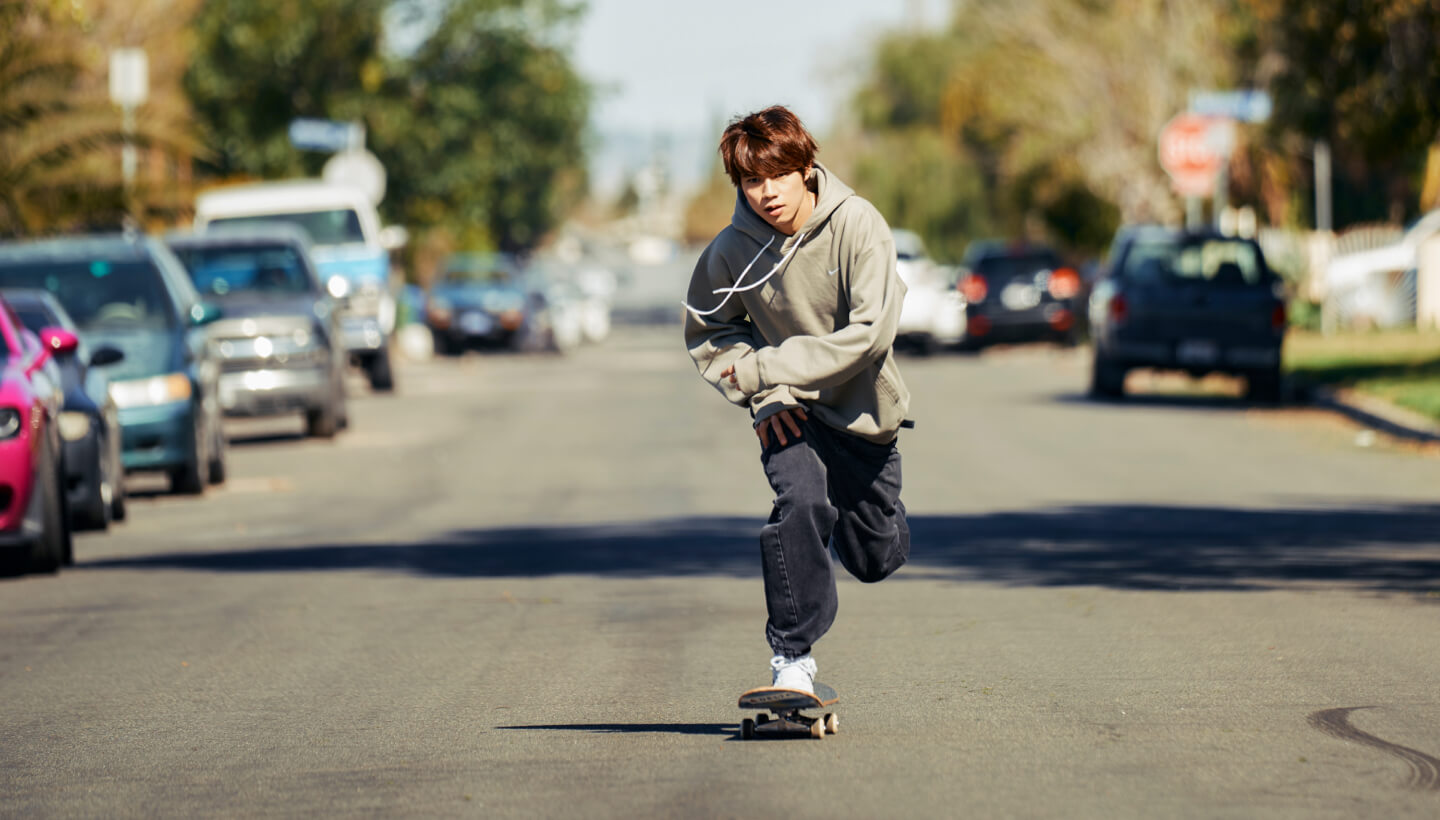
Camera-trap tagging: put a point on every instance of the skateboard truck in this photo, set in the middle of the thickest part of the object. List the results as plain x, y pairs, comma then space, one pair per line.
786, 705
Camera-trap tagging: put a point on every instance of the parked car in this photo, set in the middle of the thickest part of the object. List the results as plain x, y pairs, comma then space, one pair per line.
89, 420
280, 342
34, 524
350, 247
933, 313
1192, 302
131, 293
1019, 292
489, 300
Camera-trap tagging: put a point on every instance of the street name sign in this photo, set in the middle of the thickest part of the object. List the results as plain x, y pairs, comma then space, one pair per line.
1244, 105
325, 135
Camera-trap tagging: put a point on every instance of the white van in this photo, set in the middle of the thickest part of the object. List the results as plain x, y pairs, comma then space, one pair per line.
351, 250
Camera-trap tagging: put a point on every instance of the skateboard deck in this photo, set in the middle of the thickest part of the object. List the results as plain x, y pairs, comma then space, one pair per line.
785, 706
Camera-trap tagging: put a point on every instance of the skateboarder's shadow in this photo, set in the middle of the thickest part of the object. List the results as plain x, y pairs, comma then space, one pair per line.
633, 728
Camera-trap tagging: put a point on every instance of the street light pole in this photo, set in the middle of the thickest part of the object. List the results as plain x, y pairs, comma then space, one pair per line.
129, 87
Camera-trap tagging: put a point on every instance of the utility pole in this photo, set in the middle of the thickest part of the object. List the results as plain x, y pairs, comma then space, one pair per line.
129, 88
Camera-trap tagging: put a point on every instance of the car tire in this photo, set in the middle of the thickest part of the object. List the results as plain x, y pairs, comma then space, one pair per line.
322, 422
215, 468
379, 371
50, 550
1264, 386
117, 500
189, 478
1107, 378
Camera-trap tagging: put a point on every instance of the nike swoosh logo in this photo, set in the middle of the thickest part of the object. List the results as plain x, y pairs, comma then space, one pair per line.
833, 272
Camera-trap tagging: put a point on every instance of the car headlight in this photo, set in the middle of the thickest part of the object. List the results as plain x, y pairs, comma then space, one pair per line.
74, 426
338, 286
149, 392
10, 423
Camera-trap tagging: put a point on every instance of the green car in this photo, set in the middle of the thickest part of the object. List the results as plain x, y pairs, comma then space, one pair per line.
131, 293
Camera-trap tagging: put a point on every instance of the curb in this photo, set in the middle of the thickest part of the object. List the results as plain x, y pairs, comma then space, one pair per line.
1378, 414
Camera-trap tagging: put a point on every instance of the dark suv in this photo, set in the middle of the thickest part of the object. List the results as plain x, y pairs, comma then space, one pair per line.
1019, 292
1194, 302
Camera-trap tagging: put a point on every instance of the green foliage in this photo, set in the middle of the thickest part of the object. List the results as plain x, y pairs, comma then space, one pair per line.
262, 63
479, 127
921, 182
1363, 75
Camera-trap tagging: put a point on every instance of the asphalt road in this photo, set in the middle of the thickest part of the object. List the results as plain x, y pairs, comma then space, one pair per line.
528, 586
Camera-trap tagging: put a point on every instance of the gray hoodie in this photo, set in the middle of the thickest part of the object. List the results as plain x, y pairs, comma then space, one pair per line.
808, 318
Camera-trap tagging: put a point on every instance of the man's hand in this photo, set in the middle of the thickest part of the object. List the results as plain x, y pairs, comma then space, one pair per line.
789, 417
729, 373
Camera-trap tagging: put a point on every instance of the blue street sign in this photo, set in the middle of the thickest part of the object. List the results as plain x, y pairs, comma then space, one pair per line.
325, 135
1246, 105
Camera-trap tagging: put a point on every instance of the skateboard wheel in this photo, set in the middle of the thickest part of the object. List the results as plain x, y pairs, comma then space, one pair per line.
747, 728
817, 729
832, 723
762, 719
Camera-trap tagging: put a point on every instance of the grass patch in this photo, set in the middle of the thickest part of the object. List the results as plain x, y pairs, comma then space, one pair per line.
1402, 367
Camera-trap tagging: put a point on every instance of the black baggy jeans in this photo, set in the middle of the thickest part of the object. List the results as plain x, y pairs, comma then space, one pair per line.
831, 489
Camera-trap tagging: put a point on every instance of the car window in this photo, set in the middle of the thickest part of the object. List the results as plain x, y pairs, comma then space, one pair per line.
33, 317
259, 269
1213, 262
1012, 266
333, 227
99, 294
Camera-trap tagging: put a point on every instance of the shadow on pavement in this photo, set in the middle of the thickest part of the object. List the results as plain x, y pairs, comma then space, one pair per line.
636, 728
1134, 546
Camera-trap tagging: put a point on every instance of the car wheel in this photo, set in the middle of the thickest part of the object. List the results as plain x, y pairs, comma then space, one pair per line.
1107, 378
215, 467
95, 514
322, 422
1263, 386
188, 478
49, 551
382, 377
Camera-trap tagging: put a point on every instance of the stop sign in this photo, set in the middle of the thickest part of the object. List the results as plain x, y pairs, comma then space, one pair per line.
1191, 150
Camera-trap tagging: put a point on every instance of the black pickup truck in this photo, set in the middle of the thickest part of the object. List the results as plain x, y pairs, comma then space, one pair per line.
1192, 302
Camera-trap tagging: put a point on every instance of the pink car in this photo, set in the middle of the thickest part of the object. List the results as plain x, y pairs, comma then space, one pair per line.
34, 524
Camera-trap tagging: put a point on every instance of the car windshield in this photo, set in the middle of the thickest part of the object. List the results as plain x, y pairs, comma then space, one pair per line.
1211, 262
33, 317
337, 227
99, 294
273, 269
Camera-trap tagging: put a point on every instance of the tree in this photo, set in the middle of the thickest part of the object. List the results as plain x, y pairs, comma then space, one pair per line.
260, 64
1362, 75
483, 124
59, 132
479, 125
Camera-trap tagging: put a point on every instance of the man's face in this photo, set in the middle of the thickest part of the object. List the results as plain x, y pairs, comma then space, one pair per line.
783, 201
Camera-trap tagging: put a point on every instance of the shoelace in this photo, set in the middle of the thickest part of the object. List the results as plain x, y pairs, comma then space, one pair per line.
737, 288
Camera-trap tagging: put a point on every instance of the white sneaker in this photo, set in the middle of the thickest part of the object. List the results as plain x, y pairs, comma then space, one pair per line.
793, 673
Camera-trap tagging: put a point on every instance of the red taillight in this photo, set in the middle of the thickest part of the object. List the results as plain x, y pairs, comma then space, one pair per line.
979, 326
1062, 320
1278, 318
973, 288
1064, 284
1119, 309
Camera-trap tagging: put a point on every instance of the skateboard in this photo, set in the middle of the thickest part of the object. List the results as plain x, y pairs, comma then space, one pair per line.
785, 704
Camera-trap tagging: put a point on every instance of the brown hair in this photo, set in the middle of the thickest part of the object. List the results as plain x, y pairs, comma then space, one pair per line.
768, 143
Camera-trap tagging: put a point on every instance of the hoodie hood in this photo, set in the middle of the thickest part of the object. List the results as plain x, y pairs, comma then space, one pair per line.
829, 192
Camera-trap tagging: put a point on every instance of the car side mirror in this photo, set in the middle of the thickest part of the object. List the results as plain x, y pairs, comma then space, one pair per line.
106, 355
59, 341
203, 313
394, 237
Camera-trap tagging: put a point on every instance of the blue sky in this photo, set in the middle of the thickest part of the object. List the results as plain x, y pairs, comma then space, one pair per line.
672, 71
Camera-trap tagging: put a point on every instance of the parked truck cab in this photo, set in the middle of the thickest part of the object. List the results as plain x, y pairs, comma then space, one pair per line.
350, 249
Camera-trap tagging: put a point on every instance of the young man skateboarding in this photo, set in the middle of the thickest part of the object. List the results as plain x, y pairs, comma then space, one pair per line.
791, 312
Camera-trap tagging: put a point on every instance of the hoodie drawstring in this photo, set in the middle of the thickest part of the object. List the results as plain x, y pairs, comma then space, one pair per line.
731, 291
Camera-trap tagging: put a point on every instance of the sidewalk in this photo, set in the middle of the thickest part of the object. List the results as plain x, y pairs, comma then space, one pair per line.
1377, 414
